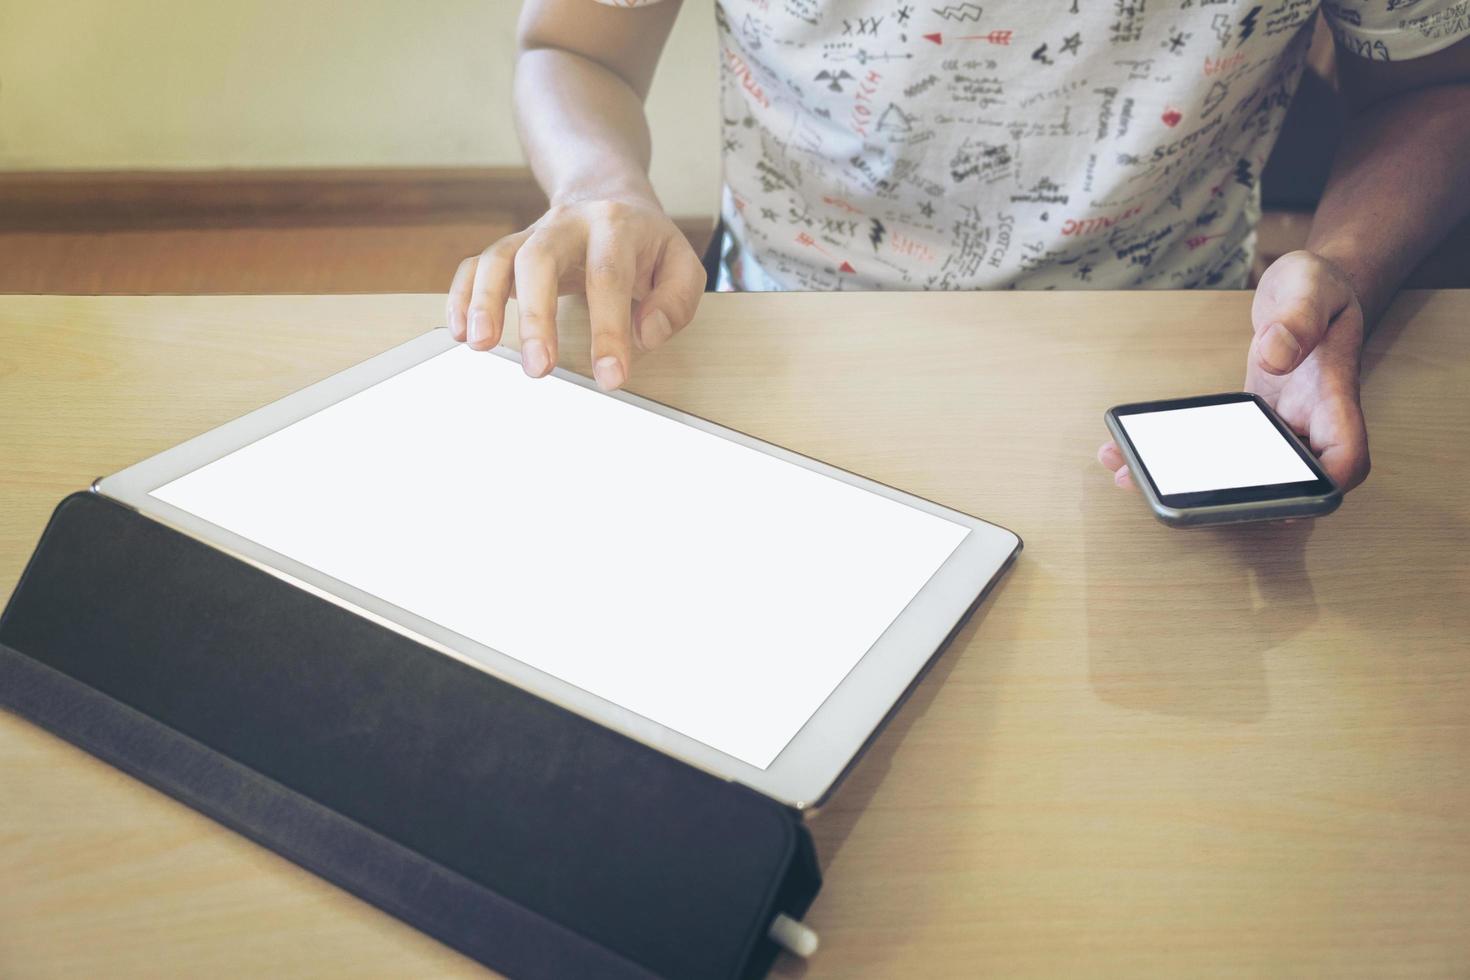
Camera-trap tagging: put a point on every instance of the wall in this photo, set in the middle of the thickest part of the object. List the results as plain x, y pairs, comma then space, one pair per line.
203, 84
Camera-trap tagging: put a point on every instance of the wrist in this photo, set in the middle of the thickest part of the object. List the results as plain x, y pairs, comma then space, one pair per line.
633, 189
1349, 268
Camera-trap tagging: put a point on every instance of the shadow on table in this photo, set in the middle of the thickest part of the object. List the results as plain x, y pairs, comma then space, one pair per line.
1178, 621
836, 820
834, 824
1405, 576
1400, 315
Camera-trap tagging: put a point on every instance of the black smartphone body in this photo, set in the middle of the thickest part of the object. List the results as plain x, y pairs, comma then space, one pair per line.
1219, 459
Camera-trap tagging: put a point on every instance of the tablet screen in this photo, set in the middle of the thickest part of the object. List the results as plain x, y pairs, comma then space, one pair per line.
714, 589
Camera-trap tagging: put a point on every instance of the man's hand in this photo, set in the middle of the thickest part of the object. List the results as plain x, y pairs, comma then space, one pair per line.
620, 251
1304, 361
1407, 118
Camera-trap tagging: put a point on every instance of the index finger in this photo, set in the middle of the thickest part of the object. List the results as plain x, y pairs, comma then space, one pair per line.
539, 264
1345, 456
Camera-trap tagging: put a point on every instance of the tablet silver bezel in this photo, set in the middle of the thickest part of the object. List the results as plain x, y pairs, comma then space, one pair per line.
802, 775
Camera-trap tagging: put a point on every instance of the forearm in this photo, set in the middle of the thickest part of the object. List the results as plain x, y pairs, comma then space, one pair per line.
583, 128
1400, 182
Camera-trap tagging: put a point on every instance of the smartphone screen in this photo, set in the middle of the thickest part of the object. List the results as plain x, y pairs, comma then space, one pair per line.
1213, 447
1218, 449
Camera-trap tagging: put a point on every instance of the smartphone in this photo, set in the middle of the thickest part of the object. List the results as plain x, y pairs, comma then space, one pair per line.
1220, 459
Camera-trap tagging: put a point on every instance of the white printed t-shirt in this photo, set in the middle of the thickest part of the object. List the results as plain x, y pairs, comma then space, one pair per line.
1102, 144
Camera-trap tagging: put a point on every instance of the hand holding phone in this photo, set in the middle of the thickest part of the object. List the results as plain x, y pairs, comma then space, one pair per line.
1219, 459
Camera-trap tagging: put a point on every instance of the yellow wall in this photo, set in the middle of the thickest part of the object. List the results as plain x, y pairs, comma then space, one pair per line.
165, 84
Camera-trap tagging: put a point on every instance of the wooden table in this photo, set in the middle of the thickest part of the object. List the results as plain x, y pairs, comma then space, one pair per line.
1183, 754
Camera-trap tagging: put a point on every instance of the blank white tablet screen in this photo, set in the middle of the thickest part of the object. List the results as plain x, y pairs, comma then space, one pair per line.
1213, 447
716, 590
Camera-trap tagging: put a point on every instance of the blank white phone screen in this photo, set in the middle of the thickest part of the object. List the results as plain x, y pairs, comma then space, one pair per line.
1213, 447
709, 587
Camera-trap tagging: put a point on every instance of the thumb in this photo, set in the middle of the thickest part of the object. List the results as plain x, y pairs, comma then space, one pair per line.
1298, 298
678, 283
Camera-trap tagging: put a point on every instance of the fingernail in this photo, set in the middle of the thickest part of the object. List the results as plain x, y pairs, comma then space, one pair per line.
479, 326
1279, 348
609, 372
534, 358
655, 329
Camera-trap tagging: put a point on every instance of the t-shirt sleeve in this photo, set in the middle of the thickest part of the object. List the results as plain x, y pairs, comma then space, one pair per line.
1397, 30
627, 3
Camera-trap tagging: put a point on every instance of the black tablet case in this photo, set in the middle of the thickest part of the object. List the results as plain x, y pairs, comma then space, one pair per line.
532, 839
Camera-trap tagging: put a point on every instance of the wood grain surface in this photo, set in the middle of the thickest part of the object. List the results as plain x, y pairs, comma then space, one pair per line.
1152, 752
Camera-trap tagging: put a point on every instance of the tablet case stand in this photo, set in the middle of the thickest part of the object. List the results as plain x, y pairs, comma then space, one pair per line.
529, 838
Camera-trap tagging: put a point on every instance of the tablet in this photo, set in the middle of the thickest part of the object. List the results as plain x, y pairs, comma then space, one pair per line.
748, 610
